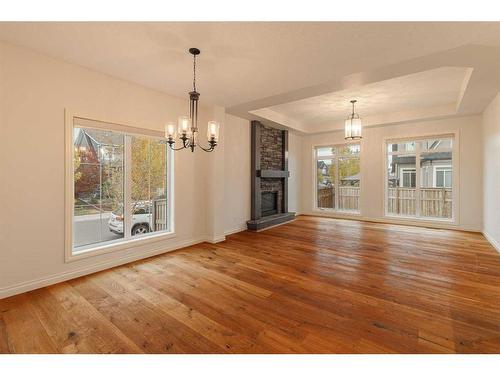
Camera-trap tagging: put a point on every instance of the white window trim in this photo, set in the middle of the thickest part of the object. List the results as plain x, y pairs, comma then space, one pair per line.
455, 150
127, 242
334, 157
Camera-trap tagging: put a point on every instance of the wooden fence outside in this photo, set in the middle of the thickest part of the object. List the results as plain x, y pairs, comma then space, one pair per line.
326, 197
160, 215
434, 202
401, 201
348, 198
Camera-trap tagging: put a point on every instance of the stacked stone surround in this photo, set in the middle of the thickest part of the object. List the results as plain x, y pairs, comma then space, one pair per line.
271, 143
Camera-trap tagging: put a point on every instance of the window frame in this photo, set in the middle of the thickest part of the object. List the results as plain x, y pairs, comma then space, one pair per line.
335, 158
128, 241
455, 164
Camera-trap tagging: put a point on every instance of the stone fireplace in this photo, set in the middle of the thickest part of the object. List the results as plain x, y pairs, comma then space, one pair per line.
269, 177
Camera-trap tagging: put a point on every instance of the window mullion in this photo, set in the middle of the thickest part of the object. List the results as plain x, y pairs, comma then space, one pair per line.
127, 187
100, 193
417, 179
337, 190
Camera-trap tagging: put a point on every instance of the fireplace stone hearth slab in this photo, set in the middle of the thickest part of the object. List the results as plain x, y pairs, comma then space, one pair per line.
269, 221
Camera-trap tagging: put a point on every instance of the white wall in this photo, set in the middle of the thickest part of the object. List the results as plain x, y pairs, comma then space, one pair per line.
237, 173
373, 164
491, 172
295, 168
214, 177
35, 90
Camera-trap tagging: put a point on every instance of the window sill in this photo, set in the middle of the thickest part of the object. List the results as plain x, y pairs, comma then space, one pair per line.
114, 247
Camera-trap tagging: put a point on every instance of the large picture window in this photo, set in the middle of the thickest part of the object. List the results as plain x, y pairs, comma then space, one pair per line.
420, 178
120, 185
338, 178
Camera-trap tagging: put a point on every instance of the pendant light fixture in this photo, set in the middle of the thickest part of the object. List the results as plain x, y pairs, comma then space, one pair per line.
353, 125
187, 126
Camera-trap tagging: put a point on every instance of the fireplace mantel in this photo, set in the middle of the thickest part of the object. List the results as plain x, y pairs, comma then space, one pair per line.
272, 173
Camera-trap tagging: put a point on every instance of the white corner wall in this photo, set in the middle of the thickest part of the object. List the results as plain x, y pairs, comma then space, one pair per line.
237, 174
373, 164
491, 172
295, 168
35, 90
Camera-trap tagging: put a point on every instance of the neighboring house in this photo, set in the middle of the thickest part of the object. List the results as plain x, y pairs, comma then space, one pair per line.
98, 145
323, 169
435, 169
96, 149
402, 172
351, 180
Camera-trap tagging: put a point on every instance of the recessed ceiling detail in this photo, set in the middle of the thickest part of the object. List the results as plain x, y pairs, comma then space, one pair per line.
456, 82
429, 89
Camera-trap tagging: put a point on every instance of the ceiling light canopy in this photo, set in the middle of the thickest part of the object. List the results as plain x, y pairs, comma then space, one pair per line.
353, 124
187, 126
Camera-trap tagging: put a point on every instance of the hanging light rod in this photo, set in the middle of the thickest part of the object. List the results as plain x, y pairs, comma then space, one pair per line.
353, 124
187, 126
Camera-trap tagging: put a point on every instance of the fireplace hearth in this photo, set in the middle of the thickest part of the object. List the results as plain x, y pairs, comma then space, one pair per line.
269, 180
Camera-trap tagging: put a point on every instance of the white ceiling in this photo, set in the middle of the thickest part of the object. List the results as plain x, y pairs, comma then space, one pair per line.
431, 88
250, 67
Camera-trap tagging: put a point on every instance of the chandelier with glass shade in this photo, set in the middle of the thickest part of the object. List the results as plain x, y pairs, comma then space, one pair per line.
353, 124
186, 129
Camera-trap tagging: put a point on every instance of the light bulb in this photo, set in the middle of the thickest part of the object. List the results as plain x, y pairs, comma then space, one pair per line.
170, 130
184, 125
213, 131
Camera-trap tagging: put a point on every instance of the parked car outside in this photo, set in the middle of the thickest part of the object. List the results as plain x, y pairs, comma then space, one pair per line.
142, 219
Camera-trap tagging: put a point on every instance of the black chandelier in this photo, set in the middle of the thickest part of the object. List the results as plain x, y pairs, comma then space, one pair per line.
187, 129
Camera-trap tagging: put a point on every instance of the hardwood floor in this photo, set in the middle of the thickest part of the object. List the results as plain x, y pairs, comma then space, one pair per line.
314, 285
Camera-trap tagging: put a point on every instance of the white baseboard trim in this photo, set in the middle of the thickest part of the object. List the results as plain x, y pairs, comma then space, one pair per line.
492, 241
64, 276
216, 239
236, 230
396, 221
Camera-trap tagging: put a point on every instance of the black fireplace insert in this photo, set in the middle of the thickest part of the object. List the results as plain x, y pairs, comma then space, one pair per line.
269, 203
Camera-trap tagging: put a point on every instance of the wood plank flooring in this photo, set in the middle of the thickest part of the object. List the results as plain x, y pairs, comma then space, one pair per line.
315, 285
